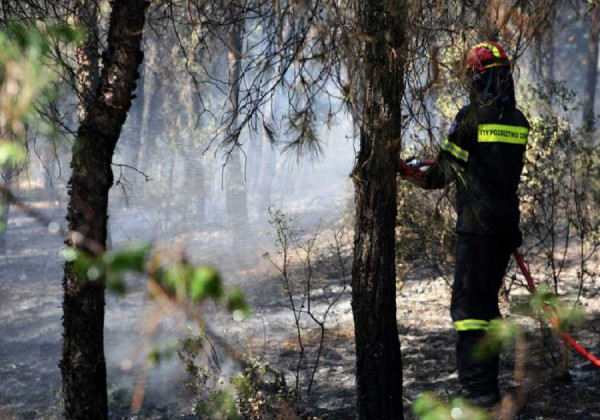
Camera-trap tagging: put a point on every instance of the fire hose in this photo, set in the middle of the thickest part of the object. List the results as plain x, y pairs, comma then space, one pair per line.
553, 319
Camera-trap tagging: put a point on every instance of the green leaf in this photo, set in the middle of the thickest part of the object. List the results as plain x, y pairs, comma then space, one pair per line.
424, 404
242, 385
503, 330
70, 254
154, 357
460, 409
522, 308
501, 333
236, 302
428, 407
130, 258
115, 284
205, 281
67, 33
220, 405
83, 264
11, 153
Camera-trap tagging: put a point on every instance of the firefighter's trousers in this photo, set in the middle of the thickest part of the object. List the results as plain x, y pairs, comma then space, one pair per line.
480, 266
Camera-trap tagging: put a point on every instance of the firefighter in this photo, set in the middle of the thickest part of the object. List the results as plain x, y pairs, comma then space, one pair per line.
483, 154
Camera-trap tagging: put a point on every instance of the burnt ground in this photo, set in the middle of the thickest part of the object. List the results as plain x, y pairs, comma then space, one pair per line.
427, 340
30, 340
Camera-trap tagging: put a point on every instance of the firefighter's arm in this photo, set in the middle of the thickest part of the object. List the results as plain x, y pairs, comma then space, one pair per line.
451, 160
439, 174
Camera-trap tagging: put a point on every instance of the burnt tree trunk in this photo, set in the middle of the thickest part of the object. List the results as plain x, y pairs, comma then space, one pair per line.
592, 72
83, 366
378, 362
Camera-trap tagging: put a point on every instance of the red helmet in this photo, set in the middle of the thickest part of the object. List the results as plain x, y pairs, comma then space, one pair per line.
485, 55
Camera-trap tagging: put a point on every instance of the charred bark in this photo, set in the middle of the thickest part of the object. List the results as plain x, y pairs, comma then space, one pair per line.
378, 362
83, 366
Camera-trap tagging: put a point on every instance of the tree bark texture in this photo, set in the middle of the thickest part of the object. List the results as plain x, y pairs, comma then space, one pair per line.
592, 71
378, 362
87, 66
83, 366
544, 52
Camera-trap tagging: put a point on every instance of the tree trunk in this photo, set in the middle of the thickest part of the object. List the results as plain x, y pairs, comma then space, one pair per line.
234, 61
87, 67
136, 125
236, 193
83, 366
544, 49
378, 362
151, 115
592, 72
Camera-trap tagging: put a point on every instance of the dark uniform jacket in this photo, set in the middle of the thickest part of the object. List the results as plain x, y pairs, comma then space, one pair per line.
484, 153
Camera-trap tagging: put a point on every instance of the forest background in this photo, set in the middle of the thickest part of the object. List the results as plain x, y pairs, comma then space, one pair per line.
233, 109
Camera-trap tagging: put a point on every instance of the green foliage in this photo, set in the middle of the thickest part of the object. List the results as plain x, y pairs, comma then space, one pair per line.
205, 281
541, 305
236, 302
202, 377
428, 407
27, 73
560, 206
210, 402
182, 281
110, 267
262, 391
11, 154
258, 392
18, 39
129, 258
566, 314
162, 352
560, 187
285, 226
198, 283
219, 405
501, 334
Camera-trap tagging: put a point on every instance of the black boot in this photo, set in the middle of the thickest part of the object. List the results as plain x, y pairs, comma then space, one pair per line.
478, 373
